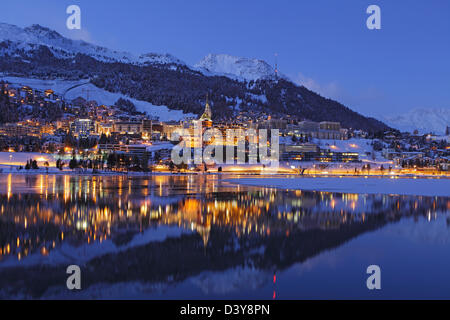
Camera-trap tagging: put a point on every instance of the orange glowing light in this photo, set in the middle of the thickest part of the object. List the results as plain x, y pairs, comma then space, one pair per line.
44, 251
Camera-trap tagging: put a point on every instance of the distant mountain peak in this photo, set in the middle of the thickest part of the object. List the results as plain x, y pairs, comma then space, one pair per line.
28, 38
160, 58
425, 120
41, 30
237, 67
44, 33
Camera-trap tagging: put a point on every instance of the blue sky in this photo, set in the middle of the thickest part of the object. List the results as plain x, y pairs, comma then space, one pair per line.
322, 44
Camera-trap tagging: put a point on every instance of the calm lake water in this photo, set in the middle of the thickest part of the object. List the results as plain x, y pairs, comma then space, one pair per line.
201, 237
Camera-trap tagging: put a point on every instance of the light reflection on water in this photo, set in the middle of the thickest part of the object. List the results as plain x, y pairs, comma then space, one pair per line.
229, 231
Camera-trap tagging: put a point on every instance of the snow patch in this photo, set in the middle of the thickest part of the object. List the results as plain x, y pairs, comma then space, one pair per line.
74, 89
423, 120
236, 67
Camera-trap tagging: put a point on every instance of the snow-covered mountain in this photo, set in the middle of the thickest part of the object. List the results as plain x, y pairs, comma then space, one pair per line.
164, 81
30, 38
236, 67
424, 120
159, 58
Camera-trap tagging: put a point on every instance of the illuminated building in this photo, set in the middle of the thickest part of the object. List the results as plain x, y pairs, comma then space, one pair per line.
270, 124
127, 127
318, 130
321, 156
47, 129
105, 128
19, 130
297, 152
49, 93
83, 127
133, 150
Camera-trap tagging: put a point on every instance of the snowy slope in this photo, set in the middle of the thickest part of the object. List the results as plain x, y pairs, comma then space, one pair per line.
31, 38
59, 86
236, 67
101, 96
424, 120
109, 98
157, 58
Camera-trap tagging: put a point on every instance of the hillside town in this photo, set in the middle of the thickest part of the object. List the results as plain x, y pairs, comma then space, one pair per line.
53, 133
225, 156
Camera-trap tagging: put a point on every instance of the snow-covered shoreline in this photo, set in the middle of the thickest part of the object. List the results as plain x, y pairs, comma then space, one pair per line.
402, 186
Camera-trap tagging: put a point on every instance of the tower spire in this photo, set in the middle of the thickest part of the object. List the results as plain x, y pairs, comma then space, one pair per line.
207, 115
276, 66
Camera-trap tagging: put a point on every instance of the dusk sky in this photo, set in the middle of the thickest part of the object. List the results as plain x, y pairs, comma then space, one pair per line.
324, 45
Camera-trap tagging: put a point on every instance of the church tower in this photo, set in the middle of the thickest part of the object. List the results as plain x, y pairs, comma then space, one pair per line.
206, 117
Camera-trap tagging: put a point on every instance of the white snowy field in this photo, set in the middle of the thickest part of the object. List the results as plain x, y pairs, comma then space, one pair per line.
108, 98
75, 89
359, 145
401, 186
59, 86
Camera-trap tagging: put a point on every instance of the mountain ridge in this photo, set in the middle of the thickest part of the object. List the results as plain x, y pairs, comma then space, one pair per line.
36, 35
245, 69
164, 80
425, 120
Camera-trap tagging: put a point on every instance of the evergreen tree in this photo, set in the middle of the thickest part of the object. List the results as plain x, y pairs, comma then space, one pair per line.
73, 163
8, 111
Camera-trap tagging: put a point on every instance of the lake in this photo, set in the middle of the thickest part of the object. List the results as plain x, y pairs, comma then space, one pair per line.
204, 237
